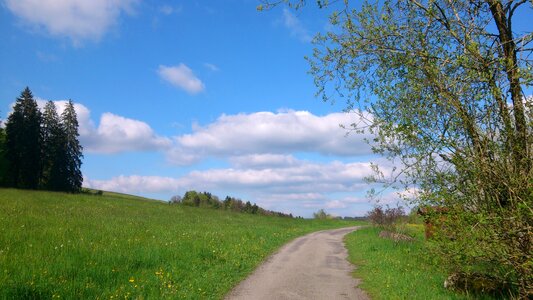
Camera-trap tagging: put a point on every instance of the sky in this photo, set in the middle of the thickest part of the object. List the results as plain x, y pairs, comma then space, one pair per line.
190, 95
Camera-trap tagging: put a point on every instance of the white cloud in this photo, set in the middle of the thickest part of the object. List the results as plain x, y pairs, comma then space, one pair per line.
119, 134
303, 181
345, 202
182, 77
134, 184
259, 161
295, 26
335, 204
269, 133
211, 67
114, 133
300, 197
261, 140
76, 19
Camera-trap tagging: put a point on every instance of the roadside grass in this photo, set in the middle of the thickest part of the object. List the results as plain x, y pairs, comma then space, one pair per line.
397, 270
55, 245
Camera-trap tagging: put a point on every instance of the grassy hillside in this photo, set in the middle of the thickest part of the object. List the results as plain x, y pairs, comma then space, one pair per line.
55, 245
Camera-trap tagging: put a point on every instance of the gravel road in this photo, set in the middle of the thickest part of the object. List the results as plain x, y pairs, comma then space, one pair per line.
310, 267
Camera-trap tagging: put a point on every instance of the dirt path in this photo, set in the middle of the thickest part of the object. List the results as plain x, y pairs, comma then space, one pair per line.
311, 267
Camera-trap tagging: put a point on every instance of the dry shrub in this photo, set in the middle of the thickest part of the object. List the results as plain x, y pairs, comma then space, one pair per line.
387, 217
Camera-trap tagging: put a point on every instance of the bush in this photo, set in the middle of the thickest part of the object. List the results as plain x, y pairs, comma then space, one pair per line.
322, 215
176, 199
386, 217
502, 249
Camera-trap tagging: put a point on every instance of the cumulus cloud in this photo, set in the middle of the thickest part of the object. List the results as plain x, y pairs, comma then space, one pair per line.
134, 184
247, 135
295, 26
182, 77
76, 19
302, 181
260, 161
335, 204
345, 202
114, 133
119, 134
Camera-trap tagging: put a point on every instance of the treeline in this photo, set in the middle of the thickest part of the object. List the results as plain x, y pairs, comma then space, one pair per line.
206, 199
40, 150
321, 214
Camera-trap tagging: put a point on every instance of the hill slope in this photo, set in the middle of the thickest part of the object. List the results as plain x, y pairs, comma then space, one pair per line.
85, 246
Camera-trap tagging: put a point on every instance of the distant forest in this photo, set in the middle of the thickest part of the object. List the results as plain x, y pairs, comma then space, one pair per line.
206, 199
40, 149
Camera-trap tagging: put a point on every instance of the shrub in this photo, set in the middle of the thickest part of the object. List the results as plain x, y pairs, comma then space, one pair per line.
386, 217
176, 199
322, 215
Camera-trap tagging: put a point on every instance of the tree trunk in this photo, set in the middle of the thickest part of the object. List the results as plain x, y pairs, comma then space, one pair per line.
520, 149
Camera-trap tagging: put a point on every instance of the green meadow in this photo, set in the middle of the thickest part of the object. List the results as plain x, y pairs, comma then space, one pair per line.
398, 270
56, 245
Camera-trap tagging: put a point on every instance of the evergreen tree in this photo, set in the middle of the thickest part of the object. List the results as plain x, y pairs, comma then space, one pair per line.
54, 171
247, 207
255, 209
3, 158
73, 149
23, 142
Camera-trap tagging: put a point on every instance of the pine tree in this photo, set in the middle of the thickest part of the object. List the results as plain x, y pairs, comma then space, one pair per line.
3, 158
13, 145
73, 149
54, 175
23, 142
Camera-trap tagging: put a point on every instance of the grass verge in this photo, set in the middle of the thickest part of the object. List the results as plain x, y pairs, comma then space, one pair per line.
55, 245
396, 270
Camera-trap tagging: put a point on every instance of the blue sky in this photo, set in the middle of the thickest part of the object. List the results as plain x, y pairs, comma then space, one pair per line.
179, 95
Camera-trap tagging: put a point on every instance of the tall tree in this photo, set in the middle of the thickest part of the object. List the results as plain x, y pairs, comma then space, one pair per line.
73, 149
23, 142
54, 165
440, 84
3, 158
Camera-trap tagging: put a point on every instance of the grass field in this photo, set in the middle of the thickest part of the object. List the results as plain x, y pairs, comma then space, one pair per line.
55, 245
397, 270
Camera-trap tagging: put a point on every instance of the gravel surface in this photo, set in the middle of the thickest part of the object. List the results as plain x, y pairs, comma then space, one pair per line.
310, 267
